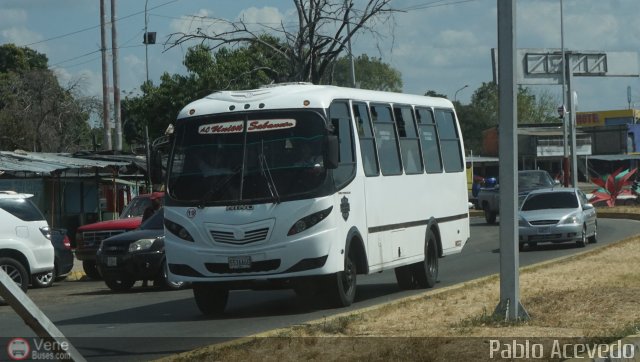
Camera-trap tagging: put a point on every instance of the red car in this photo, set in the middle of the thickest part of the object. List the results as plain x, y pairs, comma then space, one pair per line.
89, 237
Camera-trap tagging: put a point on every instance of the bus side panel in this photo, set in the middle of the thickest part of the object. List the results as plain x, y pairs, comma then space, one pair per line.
349, 208
399, 207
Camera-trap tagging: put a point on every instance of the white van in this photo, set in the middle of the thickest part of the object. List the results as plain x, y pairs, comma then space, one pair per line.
25, 238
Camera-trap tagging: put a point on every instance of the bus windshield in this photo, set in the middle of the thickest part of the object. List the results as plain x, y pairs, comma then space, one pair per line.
252, 157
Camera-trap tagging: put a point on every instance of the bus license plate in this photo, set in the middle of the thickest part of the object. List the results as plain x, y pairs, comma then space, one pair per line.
112, 261
544, 230
239, 262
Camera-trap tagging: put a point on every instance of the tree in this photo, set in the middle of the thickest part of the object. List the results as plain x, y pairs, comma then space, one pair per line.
15, 59
482, 112
207, 72
432, 93
36, 113
371, 73
323, 31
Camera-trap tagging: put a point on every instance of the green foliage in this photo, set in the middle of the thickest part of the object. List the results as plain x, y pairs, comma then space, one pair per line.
482, 112
371, 73
15, 59
612, 186
432, 93
208, 72
36, 113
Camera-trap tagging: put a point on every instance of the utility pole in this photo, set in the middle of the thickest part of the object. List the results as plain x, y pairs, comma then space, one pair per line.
509, 306
116, 77
353, 67
106, 143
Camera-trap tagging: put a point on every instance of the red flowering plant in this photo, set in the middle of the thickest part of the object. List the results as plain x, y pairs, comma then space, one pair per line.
612, 186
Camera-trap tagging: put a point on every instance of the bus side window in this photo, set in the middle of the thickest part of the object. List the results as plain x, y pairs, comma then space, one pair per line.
409, 141
341, 120
429, 139
386, 139
367, 141
449, 141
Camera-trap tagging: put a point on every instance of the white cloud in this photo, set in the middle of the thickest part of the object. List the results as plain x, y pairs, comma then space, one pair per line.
20, 35
202, 19
13, 16
268, 16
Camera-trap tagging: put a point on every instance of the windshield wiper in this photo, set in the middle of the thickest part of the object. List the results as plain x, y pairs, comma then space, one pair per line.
218, 186
266, 173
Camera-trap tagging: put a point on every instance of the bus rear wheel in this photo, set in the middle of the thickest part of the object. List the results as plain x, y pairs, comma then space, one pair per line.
210, 298
341, 286
426, 272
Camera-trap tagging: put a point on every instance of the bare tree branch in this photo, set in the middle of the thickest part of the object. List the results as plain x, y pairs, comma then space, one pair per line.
322, 34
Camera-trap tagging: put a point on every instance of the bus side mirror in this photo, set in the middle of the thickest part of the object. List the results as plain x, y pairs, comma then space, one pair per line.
331, 152
156, 172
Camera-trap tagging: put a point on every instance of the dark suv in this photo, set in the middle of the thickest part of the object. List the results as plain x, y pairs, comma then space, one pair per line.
135, 255
88, 237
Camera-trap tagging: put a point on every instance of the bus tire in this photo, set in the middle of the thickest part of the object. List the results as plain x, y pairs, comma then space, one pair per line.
210, 298
341, 286
426, 272
404, 276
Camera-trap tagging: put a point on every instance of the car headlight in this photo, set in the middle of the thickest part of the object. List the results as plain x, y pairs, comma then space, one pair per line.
142, 244
522, 221
571, 219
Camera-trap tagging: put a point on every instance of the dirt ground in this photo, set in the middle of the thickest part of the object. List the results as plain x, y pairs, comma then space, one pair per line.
582, 301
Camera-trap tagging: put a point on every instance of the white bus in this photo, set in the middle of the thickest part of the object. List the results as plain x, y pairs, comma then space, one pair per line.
304, 186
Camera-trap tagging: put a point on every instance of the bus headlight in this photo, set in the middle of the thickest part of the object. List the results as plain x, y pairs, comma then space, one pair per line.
308, 221
178, 230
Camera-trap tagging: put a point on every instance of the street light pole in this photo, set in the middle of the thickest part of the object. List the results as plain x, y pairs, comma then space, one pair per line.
455, 95
146, 41
565, 121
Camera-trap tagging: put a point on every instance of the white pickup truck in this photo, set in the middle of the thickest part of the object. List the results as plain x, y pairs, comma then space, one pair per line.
528, 180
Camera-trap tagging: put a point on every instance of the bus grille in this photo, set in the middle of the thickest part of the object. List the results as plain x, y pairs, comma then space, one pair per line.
240, 237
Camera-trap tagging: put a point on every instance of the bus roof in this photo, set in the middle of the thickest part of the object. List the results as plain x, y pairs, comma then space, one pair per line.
296, 95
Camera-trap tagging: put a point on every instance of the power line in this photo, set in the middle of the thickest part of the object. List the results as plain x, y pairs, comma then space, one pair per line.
93, 52
96, 26
435, 4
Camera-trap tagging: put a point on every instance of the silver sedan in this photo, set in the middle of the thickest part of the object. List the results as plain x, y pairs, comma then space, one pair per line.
557, 215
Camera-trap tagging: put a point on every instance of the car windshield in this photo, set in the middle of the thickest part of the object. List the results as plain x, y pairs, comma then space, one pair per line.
534, 179
550, 200
279, 156
136, 207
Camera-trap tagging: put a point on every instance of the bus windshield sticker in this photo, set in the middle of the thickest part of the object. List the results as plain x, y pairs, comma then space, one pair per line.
254, 126
224, 127
270, 124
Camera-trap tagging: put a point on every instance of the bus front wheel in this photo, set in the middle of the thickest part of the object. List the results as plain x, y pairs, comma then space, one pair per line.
211, 299
341, 286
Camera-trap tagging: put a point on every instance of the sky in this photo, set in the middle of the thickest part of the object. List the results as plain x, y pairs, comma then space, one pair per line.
436, 45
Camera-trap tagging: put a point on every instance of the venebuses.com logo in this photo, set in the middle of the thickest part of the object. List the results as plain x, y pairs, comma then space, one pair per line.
18, 349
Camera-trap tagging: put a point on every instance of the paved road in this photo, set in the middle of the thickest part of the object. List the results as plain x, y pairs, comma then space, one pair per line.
145, 323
